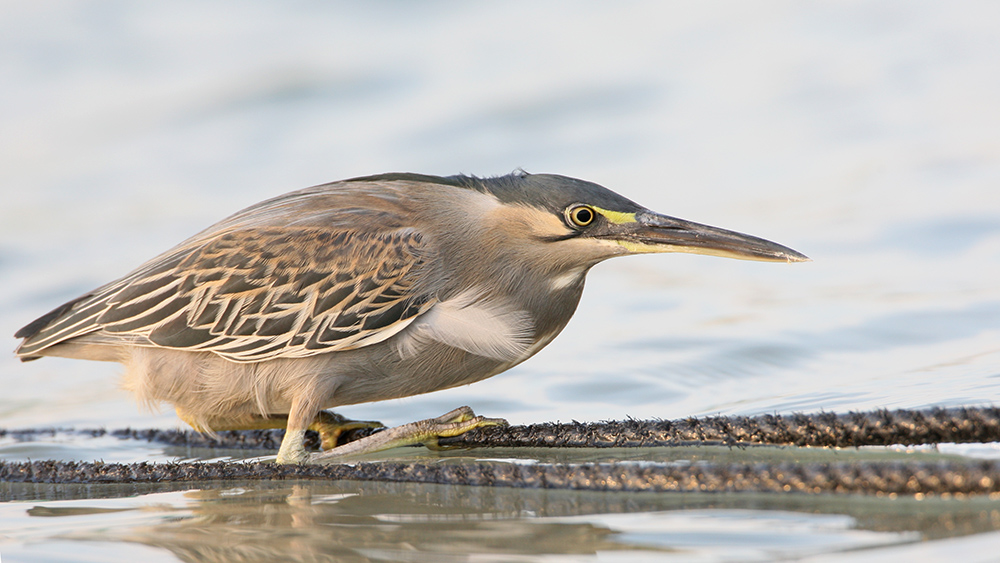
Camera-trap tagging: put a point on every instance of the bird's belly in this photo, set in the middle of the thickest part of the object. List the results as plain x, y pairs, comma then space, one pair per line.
380, 374
437, 367
206, 385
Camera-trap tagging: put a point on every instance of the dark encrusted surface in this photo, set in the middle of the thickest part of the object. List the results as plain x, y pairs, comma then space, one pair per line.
859, 478
908, 477
877, 428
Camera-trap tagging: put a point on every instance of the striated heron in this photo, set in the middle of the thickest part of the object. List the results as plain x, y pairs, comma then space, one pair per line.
363, 290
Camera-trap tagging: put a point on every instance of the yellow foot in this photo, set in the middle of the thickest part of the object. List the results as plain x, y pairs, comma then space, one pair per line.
426, 432
331, 426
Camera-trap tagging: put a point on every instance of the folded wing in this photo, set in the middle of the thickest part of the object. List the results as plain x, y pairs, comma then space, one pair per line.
255, 294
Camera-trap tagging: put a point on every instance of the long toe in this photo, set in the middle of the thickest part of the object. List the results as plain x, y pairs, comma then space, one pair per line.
461, 414
425, 432
457, 428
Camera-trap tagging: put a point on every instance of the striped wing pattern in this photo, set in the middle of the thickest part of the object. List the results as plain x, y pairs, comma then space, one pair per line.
264, 293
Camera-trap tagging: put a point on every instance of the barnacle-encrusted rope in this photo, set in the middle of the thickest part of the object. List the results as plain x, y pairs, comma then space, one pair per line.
877, 428
956, 479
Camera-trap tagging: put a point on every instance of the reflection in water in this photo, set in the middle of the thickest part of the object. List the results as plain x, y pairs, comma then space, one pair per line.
361, 522
353, 521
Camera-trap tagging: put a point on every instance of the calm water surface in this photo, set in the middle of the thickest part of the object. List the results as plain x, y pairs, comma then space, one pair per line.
864, 135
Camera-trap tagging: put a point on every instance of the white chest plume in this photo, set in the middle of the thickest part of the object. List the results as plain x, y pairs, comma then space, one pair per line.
488, 328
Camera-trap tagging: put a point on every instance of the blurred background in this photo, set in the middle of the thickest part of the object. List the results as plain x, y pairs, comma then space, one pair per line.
865, 135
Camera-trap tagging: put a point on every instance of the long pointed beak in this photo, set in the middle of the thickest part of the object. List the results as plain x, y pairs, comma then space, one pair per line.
652, 232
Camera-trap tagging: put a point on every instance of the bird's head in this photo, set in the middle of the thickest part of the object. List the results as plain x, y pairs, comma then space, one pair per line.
583, 222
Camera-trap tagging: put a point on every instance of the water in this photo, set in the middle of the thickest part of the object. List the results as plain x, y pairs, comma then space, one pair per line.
388, 522
864, 135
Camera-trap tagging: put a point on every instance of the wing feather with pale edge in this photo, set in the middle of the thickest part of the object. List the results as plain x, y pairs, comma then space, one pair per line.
262, 293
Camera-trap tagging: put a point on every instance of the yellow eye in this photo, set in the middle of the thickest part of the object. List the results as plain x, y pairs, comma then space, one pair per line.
580, 215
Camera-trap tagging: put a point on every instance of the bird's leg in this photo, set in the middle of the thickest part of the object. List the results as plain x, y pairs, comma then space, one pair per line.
426, 432
300, 416
329, 425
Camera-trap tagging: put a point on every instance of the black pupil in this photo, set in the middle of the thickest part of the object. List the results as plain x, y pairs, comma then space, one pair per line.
584, 216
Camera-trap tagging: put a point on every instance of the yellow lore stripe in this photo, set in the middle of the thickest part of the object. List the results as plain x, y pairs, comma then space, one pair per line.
616, 217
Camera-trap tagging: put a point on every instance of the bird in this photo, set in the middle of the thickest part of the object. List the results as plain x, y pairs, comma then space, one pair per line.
363, 290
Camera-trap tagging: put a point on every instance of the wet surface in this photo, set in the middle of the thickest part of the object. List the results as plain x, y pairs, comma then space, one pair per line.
307, 521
